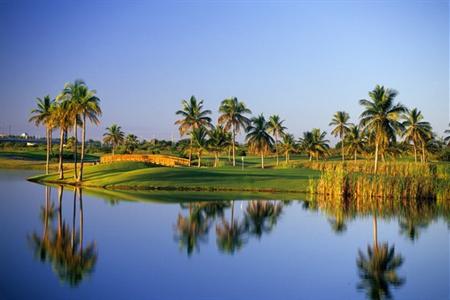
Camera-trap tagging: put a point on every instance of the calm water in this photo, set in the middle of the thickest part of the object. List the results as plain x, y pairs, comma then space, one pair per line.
212, 250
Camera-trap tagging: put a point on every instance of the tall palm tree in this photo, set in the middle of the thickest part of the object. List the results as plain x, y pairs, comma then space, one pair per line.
288, 145
89, 106
416, 130
258, 138
217, 142
277, 129
192, 116
113, 136
341, 127
43, 115
355, 141
73, 93
199, 142
381, 117
62, 118
233, 119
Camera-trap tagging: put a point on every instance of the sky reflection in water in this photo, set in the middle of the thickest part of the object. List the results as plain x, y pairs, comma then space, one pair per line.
233, 249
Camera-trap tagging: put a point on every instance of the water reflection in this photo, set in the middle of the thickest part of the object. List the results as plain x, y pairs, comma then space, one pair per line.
61, 246
377, 268
234, 224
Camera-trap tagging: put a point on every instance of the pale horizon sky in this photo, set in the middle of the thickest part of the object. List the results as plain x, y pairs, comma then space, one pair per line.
303, 60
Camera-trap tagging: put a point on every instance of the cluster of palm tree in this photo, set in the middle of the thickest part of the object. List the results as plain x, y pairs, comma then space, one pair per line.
262, 135
114, 136
71, 110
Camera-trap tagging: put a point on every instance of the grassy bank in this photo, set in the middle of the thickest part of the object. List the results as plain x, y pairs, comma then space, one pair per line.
35, 160
129, 175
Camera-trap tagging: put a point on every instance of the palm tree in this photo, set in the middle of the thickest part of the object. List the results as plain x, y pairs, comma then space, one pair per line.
416, 130
217, 142
199, 142
355, 141
89, 106
314, 143
61, 118
113, 136
192, 116
73, 93
43, 115
258, 138
381, 117
377, 269
288, 145
277, 129
341, 127
233, 119
131, 142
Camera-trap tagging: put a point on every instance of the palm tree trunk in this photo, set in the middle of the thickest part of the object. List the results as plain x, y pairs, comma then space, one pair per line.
234, 145
423, 152
262, 160
75, 130
199, 159
376, 157
355, 155
61, 146
287, 157
342, 146
415, 152
48, 150
232, 213
216, 159
190, 152
83, 141
276, 146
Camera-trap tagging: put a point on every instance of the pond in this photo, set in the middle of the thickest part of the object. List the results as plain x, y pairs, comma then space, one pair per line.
65, 244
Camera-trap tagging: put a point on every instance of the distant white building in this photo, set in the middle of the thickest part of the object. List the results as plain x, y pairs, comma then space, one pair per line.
24, 135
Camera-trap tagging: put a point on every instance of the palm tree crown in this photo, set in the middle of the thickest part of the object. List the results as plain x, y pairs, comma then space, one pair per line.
113, 136
381, 117
232, 117
258, 138
277, 129
416, 130
341, 127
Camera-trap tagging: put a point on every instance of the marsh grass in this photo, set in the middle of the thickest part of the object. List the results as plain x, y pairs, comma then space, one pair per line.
397, 180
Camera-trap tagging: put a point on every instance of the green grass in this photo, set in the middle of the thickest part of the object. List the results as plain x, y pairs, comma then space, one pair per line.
129, 175
35, 159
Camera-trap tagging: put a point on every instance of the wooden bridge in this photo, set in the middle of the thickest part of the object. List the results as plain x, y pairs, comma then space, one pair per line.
157, 159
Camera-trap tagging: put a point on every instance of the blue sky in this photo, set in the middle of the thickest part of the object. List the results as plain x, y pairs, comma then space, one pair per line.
303, 60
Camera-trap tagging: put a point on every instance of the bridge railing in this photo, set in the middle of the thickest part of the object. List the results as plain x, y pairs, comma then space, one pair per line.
158, 159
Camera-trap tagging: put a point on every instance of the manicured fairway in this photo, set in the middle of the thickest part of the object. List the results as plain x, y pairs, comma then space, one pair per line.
140, 176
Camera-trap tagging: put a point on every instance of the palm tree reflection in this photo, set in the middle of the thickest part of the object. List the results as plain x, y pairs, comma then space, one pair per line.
261, 216
191, 229
231, 236
378, 268
62, 246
